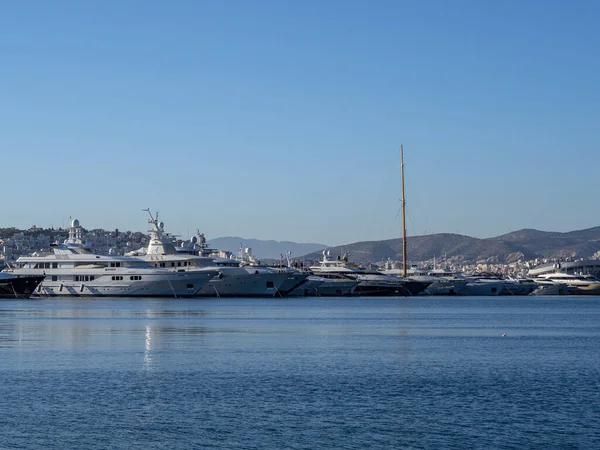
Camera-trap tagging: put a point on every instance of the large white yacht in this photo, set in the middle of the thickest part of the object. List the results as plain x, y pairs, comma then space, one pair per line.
72, 269
232, 279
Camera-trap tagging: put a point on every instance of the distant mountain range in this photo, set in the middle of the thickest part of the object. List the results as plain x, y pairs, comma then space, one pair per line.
524, 244
264, 249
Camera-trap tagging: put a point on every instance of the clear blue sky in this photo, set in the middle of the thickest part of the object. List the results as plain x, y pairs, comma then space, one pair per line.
282, 119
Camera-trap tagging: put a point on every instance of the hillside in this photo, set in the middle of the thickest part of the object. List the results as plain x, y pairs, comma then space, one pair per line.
526, 244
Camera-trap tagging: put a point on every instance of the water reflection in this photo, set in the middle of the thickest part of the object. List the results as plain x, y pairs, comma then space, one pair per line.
87, 325
148, 326
148, 348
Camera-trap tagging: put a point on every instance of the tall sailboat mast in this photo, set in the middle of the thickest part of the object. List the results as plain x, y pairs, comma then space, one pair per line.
403, 213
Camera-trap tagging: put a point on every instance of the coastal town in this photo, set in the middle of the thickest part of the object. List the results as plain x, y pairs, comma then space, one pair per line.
15, 243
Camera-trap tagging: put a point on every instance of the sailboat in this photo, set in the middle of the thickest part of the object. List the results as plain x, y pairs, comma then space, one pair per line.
416, 286
370, 282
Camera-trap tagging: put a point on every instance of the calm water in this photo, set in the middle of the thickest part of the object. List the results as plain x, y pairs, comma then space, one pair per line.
300, 373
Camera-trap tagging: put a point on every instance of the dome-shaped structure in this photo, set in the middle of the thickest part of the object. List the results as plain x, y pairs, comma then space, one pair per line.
75, 223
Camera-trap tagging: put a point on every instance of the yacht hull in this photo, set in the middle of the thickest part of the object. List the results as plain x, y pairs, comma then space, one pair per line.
19, 286
402, 288
308, 288
259, 284
445, 288
518, 288
169, 284
483, 288
591, 289
551, 289
336, 288
293, 281
412, 287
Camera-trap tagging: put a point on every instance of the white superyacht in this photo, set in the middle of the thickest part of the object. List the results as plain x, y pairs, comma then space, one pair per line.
231, 279
71, 269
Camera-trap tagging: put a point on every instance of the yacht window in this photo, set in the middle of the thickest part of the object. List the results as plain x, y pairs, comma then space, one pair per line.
172, 264
55, 265
54, 278
178, 263
270, 284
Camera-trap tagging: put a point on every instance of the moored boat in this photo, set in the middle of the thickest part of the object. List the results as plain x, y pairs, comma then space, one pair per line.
577, 284
72, 269
12, 286
231, 279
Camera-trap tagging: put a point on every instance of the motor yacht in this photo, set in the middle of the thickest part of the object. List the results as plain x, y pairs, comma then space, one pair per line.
294, 278
577, 284
483, 285
441, 281
231, 279
72, 269
326, 287
370, 283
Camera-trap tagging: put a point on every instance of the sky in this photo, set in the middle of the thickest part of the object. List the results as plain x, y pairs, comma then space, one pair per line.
283, 119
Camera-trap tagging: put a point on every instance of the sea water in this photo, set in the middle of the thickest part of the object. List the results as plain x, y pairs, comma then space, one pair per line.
303, 373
